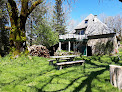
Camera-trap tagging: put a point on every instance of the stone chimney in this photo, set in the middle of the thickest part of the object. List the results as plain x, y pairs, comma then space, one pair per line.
95, 18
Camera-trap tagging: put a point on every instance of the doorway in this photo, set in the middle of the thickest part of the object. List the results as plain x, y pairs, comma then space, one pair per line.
89, 51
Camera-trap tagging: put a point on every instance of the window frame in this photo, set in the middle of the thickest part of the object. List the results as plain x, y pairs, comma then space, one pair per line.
86, 21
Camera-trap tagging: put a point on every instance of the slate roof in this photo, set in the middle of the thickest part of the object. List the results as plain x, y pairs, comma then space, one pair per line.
93, 27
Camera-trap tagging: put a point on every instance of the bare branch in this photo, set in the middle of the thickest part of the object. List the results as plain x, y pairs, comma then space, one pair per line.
13, 5
24, 7
34, 5
13, 9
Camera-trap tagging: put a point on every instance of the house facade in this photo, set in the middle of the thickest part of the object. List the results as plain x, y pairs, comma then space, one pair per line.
90, 37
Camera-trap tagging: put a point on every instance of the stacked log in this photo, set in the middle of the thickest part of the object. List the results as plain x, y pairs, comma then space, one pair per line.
38, 50
116, 76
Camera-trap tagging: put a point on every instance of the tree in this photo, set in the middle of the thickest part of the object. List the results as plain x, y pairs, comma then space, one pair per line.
118, 24
113, 22
58, 18
18, 19
45, 35
4, 33
33, 20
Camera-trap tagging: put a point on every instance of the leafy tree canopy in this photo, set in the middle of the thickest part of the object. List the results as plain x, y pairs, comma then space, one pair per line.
45, 35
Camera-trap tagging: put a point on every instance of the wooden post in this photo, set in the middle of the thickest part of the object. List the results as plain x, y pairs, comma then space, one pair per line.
116, 76
74, 46
69, 46
59, 46
60, 67
86, 49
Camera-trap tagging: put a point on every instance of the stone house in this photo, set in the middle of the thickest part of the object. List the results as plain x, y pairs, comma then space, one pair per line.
90, 37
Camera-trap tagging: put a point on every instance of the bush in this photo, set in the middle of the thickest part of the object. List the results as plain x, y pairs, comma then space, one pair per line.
104, 48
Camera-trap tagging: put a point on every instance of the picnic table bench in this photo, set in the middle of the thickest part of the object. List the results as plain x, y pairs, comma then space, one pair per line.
51, 61
69, 63
60, 57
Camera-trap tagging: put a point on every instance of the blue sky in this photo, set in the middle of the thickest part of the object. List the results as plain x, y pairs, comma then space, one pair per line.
82, 8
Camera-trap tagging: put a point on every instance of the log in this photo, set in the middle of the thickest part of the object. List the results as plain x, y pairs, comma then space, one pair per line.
39, 50
116, 76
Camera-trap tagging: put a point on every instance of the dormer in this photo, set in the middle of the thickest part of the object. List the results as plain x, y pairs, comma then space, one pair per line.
86, 21
80, 31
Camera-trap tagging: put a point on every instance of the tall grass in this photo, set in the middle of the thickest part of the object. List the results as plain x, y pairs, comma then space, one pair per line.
34, 74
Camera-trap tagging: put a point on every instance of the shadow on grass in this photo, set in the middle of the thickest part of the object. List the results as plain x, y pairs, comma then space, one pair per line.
88, 81
89, 78
117, 60
23, 78
85, 83
52, 77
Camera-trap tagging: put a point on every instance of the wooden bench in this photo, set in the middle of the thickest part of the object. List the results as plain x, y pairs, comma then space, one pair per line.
69, 63
51, 61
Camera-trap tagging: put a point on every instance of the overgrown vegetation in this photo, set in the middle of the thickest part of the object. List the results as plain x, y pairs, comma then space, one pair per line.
34, 74
45, 35
104, 48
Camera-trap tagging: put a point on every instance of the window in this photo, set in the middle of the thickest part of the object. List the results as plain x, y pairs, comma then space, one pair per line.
82, 32
86, 21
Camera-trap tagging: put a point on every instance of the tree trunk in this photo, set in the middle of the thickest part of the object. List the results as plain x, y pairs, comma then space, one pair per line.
17, 33
116, 76
31, 33
17, 36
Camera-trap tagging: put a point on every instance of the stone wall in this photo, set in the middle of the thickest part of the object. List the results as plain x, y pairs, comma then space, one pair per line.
103, 45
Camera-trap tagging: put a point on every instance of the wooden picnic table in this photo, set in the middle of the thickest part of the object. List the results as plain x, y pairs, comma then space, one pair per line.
67, 56
69, 59
69, 63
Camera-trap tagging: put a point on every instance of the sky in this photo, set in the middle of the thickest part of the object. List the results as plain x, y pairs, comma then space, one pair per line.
82, 8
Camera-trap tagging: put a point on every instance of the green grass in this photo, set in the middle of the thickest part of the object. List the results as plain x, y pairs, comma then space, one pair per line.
36, 75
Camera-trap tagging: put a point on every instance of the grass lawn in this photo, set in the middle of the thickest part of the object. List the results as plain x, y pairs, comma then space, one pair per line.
36, 75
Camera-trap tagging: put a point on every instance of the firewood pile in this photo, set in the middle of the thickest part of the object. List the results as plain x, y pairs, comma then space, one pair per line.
38, 50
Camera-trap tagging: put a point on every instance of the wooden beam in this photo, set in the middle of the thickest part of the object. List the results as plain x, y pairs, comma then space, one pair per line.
59, 46
69, 45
